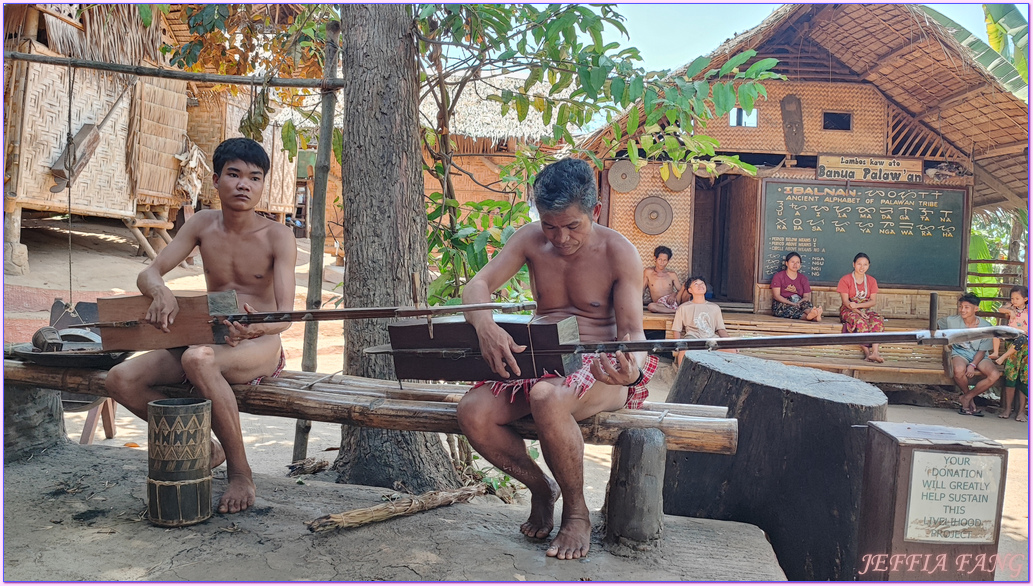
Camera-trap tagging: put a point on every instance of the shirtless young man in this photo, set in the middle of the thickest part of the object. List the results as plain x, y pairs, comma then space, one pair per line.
241, 251
577, 268
663, 284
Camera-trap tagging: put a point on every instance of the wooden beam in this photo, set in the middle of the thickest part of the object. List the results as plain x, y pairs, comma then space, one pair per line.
42, 8
997, 185
953, 100
1002, 149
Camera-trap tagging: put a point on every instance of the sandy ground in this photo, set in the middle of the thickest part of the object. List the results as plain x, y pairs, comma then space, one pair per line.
75, 513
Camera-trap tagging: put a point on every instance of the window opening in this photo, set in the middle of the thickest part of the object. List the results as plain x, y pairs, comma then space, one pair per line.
837, 121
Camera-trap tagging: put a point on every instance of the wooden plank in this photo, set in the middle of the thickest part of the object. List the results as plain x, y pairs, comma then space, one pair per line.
191, 326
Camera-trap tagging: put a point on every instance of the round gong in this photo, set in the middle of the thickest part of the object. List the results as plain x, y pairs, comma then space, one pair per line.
623, 176
653, 215
680, 183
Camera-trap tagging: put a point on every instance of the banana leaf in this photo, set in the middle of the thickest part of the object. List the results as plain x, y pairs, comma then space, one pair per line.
1004, 21
993, 61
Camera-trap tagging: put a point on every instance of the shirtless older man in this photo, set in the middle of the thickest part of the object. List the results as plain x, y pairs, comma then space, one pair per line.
241, 251
580, 269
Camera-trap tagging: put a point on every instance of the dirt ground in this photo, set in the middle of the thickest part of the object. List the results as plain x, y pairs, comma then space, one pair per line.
77, 512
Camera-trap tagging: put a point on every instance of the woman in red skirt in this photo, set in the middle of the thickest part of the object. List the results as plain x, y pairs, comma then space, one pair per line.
858, 290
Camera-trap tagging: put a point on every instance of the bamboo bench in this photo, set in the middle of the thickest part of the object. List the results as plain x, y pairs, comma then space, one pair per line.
642, 435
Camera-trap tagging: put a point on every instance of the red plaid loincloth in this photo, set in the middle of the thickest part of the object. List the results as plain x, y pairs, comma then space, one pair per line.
580, 381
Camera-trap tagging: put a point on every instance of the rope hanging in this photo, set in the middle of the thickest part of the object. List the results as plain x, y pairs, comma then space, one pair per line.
70, 156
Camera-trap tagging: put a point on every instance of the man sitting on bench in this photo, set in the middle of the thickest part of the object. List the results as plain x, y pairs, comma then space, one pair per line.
577, 268
662, 284
969, 359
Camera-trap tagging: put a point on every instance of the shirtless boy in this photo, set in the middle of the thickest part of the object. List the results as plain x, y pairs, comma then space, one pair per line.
577, 268
241, 251
969, 359
663, 284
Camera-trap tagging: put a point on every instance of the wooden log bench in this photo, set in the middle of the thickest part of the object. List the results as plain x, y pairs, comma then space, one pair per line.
646, 434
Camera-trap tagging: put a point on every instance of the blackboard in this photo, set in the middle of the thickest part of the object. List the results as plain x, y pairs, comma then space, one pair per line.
914, 234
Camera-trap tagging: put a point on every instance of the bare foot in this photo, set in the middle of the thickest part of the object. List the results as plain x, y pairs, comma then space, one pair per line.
218, 454
573, 539
874, 357
1005, 414
818, 311
539, 522
1021, 418
239, 495
867, 353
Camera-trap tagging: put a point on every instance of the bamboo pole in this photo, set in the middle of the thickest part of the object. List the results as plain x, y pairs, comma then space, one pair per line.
141, 239
396, 508
692, 434
317, 223
142, 71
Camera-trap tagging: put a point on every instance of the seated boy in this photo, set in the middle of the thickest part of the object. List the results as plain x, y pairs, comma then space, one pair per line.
698, 318
969, 359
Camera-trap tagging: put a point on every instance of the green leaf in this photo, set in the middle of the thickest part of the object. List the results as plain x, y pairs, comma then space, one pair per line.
338, 144
289, 138
736, 61
993, 61
633, 119
146, 15
521, 107
636, 88
724, 98
617, 89
533, 77
760, 66
747, 96
698, 65
633, 152
481, 242
649, 99
598, 77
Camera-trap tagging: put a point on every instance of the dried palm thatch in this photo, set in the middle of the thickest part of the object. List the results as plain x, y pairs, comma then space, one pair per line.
395, 508
112, 33
193, 171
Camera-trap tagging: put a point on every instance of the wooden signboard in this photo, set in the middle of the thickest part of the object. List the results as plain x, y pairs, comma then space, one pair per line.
931, 504
874, 169
192, 326
914, 235
535, 332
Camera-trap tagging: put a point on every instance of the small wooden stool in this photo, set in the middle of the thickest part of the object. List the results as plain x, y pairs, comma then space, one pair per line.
106, 411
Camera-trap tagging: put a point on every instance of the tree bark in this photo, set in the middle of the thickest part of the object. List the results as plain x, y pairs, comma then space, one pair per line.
385, 232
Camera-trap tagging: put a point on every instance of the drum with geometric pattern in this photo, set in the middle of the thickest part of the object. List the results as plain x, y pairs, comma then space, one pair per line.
179, 455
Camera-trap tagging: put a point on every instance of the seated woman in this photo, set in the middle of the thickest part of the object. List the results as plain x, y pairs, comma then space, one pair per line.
791, 292
697, 317
858, 290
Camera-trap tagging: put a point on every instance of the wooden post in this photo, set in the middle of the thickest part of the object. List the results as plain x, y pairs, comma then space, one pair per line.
16, 254
634, 495
33, 420
797, 472
934, 308
317, 222
930, 504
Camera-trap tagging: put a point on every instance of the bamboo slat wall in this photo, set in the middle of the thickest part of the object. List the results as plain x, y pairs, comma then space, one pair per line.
102, 188
678, 237
159, 122
863, 101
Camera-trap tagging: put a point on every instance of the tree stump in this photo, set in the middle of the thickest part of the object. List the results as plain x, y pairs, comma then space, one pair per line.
33, 421
798, 470
634, 495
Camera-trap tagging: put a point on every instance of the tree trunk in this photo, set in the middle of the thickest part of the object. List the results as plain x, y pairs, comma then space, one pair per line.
33, 420
385, 232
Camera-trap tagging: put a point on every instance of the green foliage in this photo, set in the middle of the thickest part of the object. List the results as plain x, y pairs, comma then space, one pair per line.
1001, 67
1004, 22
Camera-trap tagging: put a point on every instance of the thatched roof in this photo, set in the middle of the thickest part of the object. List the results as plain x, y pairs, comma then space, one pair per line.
106, 32
930, 80
475, 116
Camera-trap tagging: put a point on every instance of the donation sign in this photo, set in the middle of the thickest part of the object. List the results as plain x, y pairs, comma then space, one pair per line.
862, 168
953, 497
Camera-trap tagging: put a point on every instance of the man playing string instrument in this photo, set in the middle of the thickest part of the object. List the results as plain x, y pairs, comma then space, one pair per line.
578, 268
241, 251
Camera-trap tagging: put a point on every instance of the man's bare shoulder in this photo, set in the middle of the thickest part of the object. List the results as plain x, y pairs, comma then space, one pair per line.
616, 242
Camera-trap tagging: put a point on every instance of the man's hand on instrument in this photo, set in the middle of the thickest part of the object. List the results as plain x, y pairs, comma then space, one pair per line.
625, 374
163, 309
239, 331
497, 349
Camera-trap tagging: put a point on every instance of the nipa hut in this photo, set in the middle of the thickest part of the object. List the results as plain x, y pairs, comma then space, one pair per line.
131, 169
885, 138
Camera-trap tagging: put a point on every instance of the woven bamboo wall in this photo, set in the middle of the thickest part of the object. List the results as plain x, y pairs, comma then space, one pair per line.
678, 237
863, 101
159, 121
890, 303
279, 194
102, 189
206, 126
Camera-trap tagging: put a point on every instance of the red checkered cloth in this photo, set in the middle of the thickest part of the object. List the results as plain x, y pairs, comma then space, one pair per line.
580, 381
276, 373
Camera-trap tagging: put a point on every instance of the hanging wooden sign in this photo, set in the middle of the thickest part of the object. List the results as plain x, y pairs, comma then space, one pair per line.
864, 168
